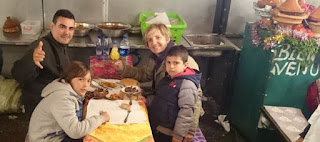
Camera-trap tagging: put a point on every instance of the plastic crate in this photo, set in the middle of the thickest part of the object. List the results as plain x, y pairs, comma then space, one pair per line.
176, 30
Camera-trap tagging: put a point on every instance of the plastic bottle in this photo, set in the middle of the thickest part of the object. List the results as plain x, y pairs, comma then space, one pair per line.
124, 46
99, 48
114, 55
105, 48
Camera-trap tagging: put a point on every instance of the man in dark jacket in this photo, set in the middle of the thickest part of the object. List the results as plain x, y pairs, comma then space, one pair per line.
45, 59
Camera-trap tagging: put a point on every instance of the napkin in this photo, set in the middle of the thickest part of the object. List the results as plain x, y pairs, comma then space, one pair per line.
161, 17
117, 115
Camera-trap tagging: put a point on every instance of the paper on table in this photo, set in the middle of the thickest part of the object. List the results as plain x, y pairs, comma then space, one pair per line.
117, 115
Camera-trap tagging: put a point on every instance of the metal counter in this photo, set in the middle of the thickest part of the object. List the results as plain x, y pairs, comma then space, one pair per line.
17, 38
135, 40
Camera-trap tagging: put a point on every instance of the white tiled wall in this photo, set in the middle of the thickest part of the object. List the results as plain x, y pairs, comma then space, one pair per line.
91, 11
20, 10
199, 14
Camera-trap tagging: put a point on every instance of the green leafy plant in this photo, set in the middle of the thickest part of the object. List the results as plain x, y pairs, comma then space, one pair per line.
266, 32
307, 49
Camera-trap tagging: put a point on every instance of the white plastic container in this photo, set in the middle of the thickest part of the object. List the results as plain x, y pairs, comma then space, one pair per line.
30, 27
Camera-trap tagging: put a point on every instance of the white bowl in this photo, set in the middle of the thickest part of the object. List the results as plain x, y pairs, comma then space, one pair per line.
131, 93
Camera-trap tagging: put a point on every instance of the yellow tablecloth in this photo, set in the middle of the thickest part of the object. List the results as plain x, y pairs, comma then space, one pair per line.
107, 132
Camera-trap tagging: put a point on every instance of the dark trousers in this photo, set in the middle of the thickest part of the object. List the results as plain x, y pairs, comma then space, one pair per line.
68, 139
30, 99
160, 137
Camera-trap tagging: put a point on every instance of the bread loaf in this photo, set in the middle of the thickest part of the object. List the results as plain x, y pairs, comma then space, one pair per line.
129, 82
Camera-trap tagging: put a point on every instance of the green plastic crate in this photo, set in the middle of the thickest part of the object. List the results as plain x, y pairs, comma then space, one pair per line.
176, 30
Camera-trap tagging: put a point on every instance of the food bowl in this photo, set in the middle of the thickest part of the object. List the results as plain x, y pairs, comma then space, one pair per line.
114, 29
82, 29
131, 94
131, 90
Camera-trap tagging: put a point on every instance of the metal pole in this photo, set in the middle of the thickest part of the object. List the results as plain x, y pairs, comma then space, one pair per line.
221, 16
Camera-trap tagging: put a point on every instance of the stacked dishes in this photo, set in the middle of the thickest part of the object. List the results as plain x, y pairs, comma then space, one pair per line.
289, 13
314, 21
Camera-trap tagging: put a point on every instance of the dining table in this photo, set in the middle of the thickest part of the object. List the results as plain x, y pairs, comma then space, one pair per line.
118, 130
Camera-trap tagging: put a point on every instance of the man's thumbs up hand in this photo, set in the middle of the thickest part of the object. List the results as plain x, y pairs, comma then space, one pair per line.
38, 55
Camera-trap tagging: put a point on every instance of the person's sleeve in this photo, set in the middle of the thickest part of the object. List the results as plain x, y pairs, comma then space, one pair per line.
196, 115
24, 69
305, 131
142, 74
186, 101
65, 114
198, 110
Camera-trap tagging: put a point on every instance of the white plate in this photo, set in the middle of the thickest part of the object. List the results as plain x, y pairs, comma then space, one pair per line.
95, 83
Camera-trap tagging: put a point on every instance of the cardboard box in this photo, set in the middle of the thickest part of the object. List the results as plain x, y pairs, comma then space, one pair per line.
31, 27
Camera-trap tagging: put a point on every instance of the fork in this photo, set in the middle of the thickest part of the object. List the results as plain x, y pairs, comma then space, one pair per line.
130, 98
130, 103
125, 120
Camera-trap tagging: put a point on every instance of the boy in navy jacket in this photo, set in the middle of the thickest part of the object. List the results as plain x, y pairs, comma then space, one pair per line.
171, 111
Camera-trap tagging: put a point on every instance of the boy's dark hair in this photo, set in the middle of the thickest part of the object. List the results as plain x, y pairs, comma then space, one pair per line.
75, 69
63, 13
179, 51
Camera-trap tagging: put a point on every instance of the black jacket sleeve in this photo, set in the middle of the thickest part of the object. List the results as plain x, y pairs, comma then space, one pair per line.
24, 69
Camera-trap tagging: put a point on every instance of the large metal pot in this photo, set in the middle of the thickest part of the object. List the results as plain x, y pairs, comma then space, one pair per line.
82, 29
114, 29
